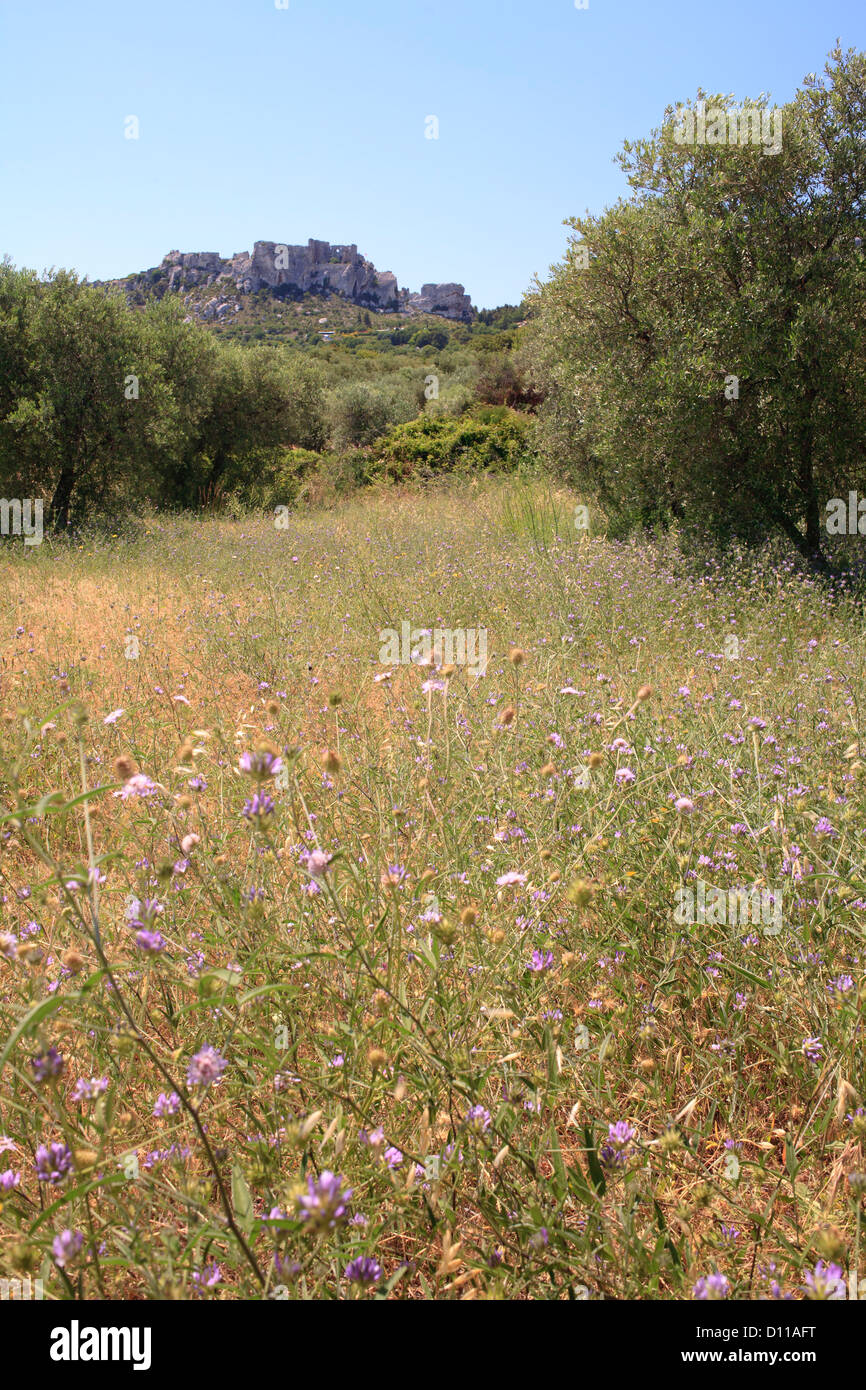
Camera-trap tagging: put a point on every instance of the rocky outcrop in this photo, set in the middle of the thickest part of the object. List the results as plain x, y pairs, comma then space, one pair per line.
291, 271
449, 301
317, 268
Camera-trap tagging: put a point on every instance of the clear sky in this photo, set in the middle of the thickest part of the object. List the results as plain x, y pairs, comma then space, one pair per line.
260, 123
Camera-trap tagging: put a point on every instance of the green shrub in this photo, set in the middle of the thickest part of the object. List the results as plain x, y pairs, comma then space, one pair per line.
280, 485
361, 414
335, 476
433, 445
452, 401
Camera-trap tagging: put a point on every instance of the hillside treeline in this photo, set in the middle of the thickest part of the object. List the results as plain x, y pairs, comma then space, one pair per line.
697, 360
105, 408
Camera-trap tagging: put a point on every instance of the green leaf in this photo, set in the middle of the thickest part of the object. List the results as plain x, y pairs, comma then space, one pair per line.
595, 1169
560, 1173
30, 1021
290, 990
792, 1163
242, 1198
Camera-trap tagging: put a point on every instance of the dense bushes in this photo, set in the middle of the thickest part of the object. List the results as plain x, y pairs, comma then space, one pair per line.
360, 412
491, 440
105, 408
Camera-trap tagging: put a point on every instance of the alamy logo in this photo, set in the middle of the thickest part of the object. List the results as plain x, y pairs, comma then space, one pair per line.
719, 125
75, 1343
846, 519
21, 1290
443, 646
19, 518
734, 907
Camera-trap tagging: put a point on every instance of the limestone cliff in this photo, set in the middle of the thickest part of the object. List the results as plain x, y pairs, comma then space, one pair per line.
289, 271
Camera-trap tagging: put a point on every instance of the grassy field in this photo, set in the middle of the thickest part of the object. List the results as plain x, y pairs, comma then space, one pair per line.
327, 977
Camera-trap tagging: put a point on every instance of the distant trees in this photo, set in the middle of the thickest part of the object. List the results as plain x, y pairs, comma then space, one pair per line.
702, 344
105, 408
502, 381
429, 337
361, 412
506, 316
102, 406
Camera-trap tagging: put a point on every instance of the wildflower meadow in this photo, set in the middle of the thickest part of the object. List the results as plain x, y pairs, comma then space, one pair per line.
324, 977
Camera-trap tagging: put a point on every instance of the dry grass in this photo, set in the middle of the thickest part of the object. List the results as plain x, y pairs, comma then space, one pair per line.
693, 1035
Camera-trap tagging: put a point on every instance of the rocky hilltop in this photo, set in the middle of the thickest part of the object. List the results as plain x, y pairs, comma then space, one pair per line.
289, 272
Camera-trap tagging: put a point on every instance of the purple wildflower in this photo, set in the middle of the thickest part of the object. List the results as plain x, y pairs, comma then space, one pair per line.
478, 1118
89, 1090
812, 1049
166, 1105
541, 961
53, 1163
261, 764
316, 862
47, 1065
323, 1205
66, 1246
206, 1067
825, 1282
137, 785
363, 1270
259, 807
151, 942
711, 1287
617, 1151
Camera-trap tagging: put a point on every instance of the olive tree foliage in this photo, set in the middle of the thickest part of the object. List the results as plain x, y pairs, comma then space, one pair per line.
104, 408
701, 345
67, 430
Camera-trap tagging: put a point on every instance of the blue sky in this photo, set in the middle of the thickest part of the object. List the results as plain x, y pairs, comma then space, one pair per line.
259, 123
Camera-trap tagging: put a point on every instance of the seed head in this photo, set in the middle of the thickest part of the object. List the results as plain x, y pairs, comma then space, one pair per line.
830, 1243
671, 1140
580, 893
